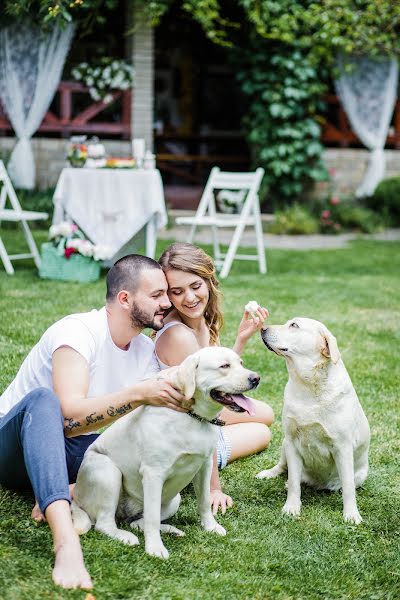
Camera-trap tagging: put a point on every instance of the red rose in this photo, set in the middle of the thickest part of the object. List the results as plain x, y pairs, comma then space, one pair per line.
335, 200
68, 252
326, 214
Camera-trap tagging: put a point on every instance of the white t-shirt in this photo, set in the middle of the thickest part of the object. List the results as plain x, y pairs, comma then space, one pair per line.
110, 368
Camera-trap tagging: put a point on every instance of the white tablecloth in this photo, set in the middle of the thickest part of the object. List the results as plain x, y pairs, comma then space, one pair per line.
112, 205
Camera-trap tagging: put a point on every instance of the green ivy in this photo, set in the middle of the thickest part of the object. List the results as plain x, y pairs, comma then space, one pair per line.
284, 91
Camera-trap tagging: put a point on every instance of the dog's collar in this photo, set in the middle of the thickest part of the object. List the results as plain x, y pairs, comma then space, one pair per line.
215, 421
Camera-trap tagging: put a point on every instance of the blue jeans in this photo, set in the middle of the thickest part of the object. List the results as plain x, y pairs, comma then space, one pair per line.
34, 454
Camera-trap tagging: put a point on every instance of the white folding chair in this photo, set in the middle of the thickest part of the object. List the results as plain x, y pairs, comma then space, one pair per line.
16, 214
248, 216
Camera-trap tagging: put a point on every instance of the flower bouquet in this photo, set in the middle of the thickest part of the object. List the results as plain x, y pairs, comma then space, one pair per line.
69, 256
77, 154
105, 75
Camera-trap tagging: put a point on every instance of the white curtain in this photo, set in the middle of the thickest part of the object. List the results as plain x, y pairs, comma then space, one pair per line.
31, 64
368, 94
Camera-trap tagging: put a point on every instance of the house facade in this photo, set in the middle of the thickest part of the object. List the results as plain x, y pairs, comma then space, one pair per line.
187, 106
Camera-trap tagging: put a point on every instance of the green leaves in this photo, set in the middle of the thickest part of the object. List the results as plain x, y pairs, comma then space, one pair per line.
284, 91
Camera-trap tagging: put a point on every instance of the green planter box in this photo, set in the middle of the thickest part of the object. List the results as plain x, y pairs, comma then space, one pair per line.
76, 268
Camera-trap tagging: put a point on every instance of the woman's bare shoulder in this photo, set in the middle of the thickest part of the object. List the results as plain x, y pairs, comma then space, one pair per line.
178, 332
175, 344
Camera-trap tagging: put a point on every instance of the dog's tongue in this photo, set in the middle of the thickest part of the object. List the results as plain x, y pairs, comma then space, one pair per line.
244, 402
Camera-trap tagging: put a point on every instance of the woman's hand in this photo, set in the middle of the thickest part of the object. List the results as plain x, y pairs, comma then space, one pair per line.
249, 325
220, 500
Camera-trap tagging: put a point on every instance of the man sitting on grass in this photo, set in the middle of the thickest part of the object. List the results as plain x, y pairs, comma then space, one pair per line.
86, 371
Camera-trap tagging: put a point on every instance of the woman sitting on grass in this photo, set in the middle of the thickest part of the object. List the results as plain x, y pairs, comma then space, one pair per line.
194, 322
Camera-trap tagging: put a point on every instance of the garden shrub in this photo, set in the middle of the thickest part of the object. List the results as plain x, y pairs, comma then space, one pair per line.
386, 200
294, 219
38, 200
336, 215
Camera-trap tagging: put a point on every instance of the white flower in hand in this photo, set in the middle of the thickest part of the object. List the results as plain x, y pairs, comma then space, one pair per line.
249, 326
252, 307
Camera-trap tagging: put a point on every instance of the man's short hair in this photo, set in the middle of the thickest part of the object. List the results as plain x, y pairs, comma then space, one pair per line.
125, 274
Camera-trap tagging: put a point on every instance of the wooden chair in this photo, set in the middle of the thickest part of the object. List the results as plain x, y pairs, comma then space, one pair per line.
247, 216
16, 214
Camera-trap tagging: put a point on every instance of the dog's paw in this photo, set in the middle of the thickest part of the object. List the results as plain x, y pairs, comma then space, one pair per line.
352, 516
165, 528
157, 549
292, 508
126, 537
214, 527
268, 473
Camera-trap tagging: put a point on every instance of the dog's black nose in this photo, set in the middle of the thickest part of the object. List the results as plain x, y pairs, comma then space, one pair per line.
254, 380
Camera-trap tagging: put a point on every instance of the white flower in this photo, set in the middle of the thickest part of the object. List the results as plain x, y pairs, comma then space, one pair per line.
252, 307
63, 229
107, 98
102, 252
84, 247
94, 94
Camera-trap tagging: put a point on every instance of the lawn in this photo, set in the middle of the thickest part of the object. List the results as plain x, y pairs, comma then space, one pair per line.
355, 292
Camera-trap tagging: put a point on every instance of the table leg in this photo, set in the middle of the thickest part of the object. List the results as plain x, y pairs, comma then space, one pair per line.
58, 214
151, 237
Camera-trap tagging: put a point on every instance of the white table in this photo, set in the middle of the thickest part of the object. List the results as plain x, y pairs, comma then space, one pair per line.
111, 206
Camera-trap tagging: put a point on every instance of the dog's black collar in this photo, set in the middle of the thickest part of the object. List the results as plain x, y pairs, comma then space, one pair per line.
215, 421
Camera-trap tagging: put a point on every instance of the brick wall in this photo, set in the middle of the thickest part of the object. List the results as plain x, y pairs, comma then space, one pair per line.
349, 164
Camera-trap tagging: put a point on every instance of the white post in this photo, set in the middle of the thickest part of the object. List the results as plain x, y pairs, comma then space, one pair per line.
143, 91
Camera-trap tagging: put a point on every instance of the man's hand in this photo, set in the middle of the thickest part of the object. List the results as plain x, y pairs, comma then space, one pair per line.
161, 392
220, 500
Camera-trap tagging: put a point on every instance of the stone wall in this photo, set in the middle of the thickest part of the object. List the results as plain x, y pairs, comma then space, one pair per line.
349, 164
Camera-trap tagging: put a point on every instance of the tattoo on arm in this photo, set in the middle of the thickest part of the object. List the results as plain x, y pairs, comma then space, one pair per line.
118, 412
93, 418
70, 424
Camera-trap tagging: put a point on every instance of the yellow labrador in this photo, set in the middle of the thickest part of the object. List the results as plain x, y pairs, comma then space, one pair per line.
141, 462
326, 431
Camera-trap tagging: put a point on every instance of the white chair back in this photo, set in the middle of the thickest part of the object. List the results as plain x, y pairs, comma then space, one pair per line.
207, 214
17, 215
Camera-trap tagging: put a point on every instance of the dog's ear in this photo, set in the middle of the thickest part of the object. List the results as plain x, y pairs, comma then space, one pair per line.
187, 375
330, 348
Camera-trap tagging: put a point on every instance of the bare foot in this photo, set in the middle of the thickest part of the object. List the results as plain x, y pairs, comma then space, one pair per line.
69, 569
37, 514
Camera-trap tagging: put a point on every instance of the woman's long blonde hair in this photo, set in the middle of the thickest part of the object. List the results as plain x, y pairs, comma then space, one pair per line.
190, 259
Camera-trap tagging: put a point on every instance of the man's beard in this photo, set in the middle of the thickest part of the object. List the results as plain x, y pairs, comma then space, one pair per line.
141, 319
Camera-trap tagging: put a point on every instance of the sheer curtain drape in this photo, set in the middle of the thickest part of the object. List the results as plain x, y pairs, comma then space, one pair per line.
368, 94
31, 64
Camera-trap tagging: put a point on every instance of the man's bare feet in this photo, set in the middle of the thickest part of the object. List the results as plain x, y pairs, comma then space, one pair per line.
69, 569
37, 514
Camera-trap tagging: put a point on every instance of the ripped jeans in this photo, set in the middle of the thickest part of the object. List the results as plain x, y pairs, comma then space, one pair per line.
34, 454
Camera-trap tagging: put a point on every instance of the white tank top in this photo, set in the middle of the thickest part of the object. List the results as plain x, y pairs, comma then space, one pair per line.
158, 335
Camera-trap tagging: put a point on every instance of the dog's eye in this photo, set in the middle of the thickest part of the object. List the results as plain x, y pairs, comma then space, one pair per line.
225, 366
294, 325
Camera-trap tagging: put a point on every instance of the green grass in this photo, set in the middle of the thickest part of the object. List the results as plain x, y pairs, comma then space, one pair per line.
355, 292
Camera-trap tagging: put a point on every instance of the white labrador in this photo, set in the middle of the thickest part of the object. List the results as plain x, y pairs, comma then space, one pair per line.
141, 462
326, 431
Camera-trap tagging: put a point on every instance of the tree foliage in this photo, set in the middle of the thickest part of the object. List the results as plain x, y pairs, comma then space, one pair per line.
282, 48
